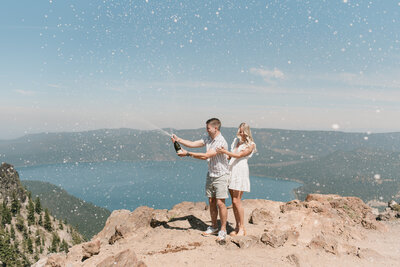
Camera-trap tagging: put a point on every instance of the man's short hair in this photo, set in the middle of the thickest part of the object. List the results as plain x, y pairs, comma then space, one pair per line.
214, 122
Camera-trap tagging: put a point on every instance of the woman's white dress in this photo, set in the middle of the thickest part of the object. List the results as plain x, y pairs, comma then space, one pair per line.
239, 168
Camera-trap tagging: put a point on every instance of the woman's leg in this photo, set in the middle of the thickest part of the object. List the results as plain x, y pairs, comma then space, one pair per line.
240, 211
234, 195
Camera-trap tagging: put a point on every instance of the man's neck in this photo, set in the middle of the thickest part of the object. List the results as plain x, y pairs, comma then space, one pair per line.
216, 134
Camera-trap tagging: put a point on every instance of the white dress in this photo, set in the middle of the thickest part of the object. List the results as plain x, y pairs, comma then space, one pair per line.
239, 168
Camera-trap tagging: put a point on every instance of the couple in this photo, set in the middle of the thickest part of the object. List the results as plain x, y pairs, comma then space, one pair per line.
222, 175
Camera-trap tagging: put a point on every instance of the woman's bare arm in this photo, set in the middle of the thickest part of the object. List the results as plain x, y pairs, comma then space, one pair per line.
241, 154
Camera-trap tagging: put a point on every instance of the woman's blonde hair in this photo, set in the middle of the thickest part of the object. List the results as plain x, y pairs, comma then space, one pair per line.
247, 132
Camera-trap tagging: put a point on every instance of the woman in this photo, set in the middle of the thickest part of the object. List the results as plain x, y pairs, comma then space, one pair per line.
242, 149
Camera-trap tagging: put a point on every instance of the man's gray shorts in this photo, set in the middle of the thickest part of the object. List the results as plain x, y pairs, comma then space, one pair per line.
217, 186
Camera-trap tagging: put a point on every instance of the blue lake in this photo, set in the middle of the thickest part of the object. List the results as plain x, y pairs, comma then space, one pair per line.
161, 185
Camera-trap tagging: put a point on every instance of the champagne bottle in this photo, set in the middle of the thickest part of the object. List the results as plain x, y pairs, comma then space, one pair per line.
177, 147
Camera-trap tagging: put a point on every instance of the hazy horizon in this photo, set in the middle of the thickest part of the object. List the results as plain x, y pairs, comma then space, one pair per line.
195, 128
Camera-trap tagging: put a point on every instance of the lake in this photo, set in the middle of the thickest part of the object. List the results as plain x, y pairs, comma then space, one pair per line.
161, 185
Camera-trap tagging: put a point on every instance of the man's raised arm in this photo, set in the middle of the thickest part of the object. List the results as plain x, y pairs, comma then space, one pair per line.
188, 143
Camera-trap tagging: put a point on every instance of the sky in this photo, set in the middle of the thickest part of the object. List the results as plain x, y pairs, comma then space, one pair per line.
305, 65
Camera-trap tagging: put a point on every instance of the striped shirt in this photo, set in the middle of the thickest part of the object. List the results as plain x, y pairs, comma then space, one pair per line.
217, 165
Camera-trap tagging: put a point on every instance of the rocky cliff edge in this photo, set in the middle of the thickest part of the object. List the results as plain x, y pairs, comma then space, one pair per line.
323, 230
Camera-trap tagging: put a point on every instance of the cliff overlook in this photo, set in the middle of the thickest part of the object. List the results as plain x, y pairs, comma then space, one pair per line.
323, 230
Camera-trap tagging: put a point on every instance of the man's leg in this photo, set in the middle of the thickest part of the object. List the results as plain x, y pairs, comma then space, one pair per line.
213, 211
223, 213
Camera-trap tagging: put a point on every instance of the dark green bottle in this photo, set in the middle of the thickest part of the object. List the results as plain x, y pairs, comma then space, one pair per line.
177, 147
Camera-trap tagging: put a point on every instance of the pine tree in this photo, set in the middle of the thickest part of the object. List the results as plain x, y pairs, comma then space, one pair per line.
12, 233
40, 222
60, 225
15, 205
37, 239
54, 242
64, 246
38, 206
47, 221
30, 245
31, 213
5, 214
76, 238
20, 224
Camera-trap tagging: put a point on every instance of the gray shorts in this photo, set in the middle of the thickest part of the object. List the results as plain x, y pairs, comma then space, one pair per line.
217, 187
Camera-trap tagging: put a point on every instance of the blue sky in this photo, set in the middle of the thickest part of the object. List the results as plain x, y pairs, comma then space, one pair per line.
312, 65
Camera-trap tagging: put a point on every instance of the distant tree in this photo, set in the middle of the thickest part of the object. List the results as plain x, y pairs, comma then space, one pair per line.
16, 246
25, 233
15, 204
8, 254
76, 238
40, 222
37, 239
30, 245
31, 213
38, 205
47, 221
54, 243
60, 225
5, 214
64, 246
12, 233
20, 224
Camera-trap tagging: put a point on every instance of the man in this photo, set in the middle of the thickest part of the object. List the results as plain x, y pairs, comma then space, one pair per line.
217, 176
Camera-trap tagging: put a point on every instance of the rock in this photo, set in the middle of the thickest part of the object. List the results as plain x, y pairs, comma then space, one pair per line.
293, 259
348, 249
259, 216
317, 207
126, 221
159, 217
367, 253
275, 238
54, 260
291, 205
141, 264
329, 245
117, 235
89, 249
10, 183
392, 204
245, 241
124, 258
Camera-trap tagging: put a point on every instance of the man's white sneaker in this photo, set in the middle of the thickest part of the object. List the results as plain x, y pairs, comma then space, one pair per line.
221, 236
210, 231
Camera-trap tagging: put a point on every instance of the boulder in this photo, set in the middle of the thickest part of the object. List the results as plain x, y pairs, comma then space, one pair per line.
291, 205
126, 222
245, 241
275, 238
123, 258
259, 216
327, 244
90, 248
293, 259
369, 254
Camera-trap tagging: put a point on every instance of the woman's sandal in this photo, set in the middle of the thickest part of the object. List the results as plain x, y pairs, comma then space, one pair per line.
233, 233
241, 232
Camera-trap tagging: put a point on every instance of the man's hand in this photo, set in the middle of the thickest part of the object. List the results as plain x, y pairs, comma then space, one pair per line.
182, 153
174, 138
221, 150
